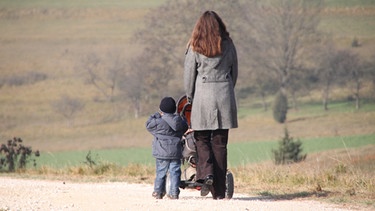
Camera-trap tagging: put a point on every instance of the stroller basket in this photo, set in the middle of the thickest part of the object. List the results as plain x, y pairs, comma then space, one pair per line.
189, 152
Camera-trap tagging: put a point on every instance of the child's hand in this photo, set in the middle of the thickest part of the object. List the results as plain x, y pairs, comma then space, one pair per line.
189, 131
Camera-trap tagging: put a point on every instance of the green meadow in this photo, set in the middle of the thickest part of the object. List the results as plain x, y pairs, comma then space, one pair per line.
238, 153
339, 128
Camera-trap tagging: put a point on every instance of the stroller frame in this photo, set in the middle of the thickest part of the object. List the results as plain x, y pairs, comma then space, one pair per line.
188, 177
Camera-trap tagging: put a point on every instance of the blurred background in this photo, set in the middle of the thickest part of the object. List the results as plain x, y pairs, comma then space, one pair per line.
85, 75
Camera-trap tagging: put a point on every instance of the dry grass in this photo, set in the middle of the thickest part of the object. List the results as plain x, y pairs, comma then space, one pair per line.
340, 176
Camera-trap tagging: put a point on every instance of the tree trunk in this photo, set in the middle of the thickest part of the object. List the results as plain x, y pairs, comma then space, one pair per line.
294, 98
356, 95
326, 97
137, 108
265, 107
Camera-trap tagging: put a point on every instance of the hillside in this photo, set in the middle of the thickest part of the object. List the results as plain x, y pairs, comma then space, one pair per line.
43, 45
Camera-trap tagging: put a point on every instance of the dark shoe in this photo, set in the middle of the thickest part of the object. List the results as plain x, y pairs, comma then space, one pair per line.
158, 195
209, 180
172, 197
205, 189
218, 197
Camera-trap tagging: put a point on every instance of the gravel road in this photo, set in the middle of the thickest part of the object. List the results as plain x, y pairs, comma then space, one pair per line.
25, 194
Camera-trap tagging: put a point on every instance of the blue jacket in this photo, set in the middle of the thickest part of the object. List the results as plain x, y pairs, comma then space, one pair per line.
167, 130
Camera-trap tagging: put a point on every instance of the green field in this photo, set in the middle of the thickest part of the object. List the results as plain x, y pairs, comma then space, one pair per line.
349, 3
238, 153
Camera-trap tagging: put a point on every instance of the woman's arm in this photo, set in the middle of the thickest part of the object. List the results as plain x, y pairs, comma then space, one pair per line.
234, 72
190, 73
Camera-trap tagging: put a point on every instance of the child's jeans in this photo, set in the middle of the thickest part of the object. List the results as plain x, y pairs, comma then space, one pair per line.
174, 168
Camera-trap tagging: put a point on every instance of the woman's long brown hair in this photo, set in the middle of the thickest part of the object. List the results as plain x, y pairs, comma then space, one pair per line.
208, 33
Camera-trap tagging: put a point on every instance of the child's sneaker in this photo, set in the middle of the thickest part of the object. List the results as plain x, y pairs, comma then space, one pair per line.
172, 197
157, 195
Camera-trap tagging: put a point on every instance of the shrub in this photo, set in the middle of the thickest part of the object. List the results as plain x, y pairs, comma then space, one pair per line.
25, 79
280, 107
90, 161
15, 155
355, 43
289, 151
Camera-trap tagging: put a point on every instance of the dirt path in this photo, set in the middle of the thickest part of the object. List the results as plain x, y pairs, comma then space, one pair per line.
22, 194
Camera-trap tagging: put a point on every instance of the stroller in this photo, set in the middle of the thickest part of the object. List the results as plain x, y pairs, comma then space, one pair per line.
188, 175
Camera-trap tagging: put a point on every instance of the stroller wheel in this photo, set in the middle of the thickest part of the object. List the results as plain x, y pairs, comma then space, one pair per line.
229, 185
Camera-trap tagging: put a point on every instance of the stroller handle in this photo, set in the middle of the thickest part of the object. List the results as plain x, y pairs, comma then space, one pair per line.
184, 106
182, 112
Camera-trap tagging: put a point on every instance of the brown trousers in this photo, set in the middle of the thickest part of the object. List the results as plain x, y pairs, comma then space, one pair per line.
212, 158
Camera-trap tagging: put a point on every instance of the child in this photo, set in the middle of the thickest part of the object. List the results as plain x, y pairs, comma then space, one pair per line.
167, 129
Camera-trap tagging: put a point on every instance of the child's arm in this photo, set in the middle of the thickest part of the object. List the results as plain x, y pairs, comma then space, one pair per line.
151, 123
181, 125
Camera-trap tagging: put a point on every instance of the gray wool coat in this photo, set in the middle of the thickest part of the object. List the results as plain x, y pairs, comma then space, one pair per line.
209, 83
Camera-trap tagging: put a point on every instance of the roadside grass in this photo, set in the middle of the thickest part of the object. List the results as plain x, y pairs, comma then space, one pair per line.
341, 176
344, 176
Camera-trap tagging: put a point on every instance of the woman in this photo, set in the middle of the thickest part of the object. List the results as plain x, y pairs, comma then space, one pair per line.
210, 76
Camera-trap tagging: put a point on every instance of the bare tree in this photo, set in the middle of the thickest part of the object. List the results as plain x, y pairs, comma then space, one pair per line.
143, 79
117, 66
133, 84
272, 39
328, 68
165, 36
354, 70
341, 67
369, 71
68, 107
102, 72
280, 35
261, 82
300, 83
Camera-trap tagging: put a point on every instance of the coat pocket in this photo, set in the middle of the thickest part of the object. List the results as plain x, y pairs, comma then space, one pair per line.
169, 148
216, 78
